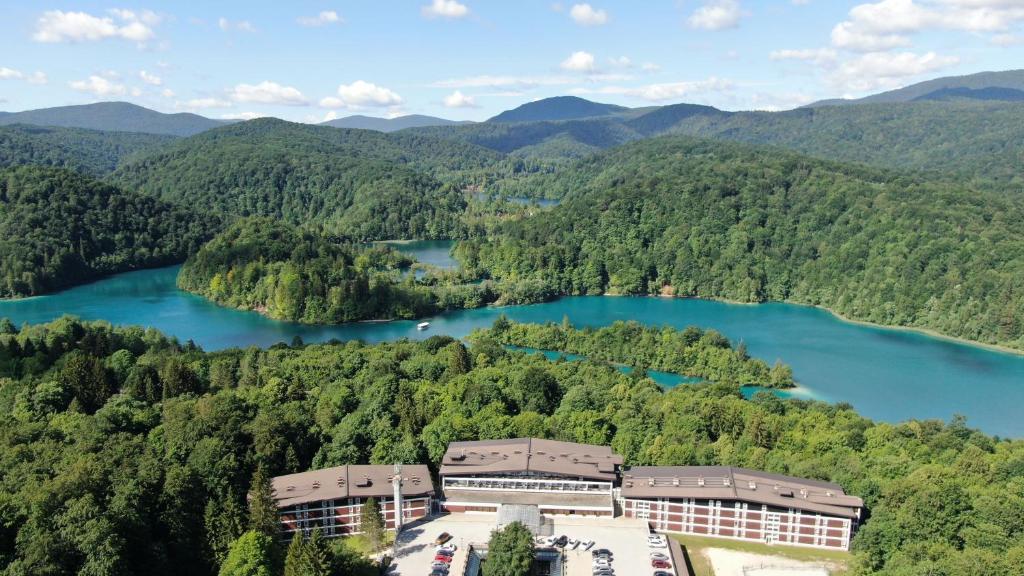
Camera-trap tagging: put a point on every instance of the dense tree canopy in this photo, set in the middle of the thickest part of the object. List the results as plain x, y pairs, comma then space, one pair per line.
288, 274
88, 151
150, 458
510, 552
58, 228
699, 218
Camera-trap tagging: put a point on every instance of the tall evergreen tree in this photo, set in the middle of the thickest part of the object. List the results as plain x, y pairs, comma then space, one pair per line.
295, 559
372, 523
263, 516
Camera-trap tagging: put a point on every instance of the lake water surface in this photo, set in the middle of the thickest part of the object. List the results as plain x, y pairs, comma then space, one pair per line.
886, 374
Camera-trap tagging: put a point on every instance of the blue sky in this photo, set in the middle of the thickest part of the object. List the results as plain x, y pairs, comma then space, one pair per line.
470, 59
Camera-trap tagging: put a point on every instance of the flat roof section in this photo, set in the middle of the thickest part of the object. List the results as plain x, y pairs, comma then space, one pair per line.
728, 483
521, 455
351, 481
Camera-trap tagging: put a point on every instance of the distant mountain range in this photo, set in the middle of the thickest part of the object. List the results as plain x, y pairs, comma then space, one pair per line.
1005, 85
391, 124
558, 108
114, 116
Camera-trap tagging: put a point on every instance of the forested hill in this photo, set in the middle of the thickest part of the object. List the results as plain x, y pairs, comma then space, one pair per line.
59, 228
978, 140
710, 219
364, 184
557, 108
114, 116
89, 151
125, 452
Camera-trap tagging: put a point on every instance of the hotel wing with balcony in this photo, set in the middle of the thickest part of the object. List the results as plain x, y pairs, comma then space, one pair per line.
742, 504
333, 498
557, 477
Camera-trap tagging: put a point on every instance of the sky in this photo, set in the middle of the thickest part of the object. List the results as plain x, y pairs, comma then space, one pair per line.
311, 61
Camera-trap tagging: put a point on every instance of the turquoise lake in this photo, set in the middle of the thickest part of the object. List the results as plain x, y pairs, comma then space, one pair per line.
886, 374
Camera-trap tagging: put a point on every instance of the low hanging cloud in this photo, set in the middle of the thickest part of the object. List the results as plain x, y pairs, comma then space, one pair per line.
664, 91
204, 103
322, 19
12, 74
243, 25
361, 94
99, 86
445, 9
877, 70
587, 15
151, 79
268, 92
579, 62
60, 26
459, 100
716, 15
821, 56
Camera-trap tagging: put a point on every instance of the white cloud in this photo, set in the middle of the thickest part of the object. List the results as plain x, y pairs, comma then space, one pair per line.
361, 93
10, 73
243, 25
885, 24
445, 9
322, 19
579, 62
60, 26
650, 67
822, 56
664, 91
37, 78
203, 103
98, 86
587, 15
876, 70
136, 92
267, 92
167, 93
1007, 40
332, 102
488, 81
151, 79
242, 116
621, 62
459, 100
717, 15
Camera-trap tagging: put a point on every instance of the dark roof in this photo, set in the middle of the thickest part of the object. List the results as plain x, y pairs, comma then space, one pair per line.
728, 483
531, 455
352, 481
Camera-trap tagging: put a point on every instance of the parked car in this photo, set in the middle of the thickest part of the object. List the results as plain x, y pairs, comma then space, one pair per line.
662, 573
445, 552
660, 564
449, 547
438, 573
659, 556
573, 543
443, 558
587, 544
439, 566
602, 563
442, 538
601, 552
604, 572
562, 541
657, 541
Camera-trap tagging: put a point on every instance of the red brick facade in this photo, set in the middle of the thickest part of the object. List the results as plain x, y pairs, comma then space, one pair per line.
743, 521
342, 517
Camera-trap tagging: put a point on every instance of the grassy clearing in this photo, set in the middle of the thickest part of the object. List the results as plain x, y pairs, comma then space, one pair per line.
702, 567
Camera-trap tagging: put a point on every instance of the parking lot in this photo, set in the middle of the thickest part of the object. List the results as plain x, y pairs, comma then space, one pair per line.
416, 543
626, 538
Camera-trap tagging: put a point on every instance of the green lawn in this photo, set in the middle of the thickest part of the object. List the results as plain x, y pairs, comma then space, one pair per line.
695, 544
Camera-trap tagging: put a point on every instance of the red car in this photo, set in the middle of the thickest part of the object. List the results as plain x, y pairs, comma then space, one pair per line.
443, 558
660, 564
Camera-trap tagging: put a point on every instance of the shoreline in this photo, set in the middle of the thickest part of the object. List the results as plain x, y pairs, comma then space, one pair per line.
913, 329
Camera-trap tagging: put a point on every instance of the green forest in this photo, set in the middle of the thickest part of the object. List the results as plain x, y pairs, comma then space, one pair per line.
59, 228
291, 274
88, 151
689, 217
125, 452
691, 352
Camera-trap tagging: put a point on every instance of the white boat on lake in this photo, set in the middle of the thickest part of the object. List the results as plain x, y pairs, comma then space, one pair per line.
423, 325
